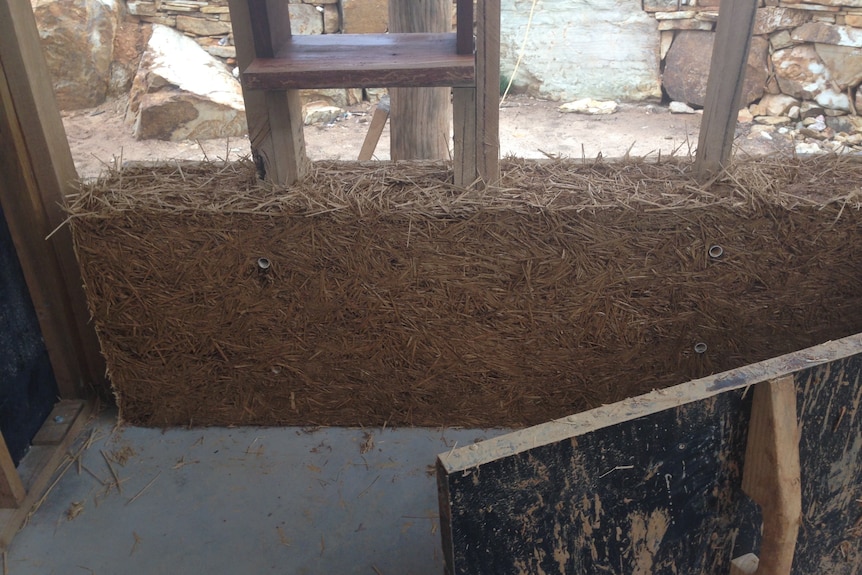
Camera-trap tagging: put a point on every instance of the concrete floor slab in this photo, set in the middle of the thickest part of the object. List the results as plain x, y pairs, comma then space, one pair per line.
242, 500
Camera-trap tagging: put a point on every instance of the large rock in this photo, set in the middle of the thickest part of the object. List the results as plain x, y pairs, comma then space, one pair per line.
772, 18
844, 63
802, 74
687, 68
180, 92
364, 16
78, 40
339, 97
305, 19
613, 54
130, 41
824, 33
778, 104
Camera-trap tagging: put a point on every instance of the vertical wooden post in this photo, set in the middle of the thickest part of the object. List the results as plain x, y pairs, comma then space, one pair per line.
464, 106
488, 91
419, 119
260, 28
724, 86
771, 476
464, 139
36, 172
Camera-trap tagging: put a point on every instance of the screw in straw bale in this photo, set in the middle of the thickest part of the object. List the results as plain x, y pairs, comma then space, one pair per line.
716, 251
263, 264
700, 347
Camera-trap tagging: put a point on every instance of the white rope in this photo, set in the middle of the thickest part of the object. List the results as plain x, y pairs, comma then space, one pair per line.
520, 53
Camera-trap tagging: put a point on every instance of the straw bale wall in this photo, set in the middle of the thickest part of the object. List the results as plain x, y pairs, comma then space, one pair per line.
393, 297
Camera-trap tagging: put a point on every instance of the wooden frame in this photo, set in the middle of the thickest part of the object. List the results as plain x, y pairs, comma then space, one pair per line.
36, 172
274, 64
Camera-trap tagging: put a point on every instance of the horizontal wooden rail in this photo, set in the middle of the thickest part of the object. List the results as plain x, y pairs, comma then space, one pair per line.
363, 60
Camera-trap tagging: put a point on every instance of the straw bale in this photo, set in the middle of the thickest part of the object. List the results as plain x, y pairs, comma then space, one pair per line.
395, 297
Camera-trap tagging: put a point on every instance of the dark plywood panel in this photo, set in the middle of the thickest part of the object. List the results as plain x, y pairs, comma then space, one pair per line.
27, 386
363, 60
830, 453
652, 485
658, 494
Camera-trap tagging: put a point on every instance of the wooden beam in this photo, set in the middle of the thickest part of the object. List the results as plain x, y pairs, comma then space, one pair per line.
420, 119
724, 86
362, 60
36, 173
464, 139
488, 91
771, 476
464, 26
378, 122
261, 28
12, 491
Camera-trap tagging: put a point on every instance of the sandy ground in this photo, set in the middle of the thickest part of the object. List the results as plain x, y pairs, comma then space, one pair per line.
529, 128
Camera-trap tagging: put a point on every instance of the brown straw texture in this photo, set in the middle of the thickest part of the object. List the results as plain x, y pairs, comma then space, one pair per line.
392, 296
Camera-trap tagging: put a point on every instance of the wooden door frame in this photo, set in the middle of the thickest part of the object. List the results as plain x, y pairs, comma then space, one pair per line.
36, 173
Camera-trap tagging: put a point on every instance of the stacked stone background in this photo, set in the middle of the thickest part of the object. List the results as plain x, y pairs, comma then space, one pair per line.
804, 55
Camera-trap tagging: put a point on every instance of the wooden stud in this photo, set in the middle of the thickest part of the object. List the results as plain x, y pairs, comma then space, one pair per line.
260, 28
36, 172
724, 86
488, 91
771, 476
464, 140
11, 487
378, 122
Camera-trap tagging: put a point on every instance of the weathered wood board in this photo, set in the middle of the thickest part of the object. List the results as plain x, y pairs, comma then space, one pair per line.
652, 485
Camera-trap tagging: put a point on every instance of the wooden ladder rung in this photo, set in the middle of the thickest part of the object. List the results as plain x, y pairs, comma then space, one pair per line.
363, 60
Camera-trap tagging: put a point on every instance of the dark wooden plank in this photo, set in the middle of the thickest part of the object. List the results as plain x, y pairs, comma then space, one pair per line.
260, 28
12, 491
362, 60
724, 86
464, 27
36, 172
830, 453
488, 91
652, 485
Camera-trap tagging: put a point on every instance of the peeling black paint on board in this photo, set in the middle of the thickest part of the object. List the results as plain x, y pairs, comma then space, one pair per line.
655, 495
829, 398
27, 386
539, 511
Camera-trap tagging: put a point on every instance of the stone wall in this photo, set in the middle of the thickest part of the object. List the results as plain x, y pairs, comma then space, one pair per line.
810, 52
208, 21
802, 54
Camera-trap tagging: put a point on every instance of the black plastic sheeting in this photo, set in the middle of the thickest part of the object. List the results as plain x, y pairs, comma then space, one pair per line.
27, 386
